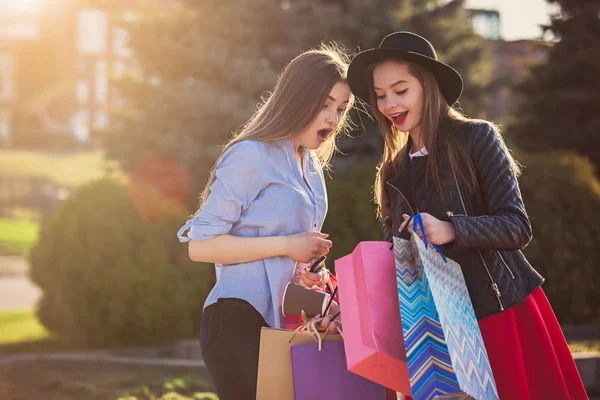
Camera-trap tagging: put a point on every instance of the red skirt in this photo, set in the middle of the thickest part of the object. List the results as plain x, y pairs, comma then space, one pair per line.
528, 353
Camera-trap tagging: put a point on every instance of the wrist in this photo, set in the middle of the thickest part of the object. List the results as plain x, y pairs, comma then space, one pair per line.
283, 246
451, 235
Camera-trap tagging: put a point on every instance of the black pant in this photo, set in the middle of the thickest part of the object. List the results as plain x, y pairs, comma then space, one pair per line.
230, 341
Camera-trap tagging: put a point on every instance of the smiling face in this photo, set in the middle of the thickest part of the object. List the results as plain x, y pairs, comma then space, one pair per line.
327, 120
399, 95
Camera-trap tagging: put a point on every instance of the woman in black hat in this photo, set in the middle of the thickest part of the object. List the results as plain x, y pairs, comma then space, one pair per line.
458, 173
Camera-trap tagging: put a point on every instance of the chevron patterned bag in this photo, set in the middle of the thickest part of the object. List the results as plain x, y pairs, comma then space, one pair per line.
444, 347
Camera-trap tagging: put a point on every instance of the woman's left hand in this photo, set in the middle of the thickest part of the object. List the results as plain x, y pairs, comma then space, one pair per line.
327, 323
437, 231
312, 280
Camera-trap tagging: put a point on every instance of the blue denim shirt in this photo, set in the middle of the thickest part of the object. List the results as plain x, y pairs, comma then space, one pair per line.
260, 192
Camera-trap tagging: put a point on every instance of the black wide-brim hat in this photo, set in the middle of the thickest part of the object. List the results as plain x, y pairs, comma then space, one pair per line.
409, 47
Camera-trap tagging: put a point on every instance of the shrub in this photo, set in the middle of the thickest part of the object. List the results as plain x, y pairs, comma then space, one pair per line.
351, 215
562, 197
109, 276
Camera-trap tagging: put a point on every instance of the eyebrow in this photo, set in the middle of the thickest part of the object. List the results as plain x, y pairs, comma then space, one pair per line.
400, 81
333, 99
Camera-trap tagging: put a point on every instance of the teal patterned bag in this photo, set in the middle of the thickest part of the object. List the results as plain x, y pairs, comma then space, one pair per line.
444, 347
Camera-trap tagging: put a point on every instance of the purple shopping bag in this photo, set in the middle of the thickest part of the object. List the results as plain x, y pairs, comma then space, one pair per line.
324, 374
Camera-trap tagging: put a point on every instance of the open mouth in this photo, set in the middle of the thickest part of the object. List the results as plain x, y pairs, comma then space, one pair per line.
323, 134
399, 118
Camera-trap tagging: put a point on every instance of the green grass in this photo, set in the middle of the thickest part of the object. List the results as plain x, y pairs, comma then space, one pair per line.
587, 346
75, 380
67, 169
21, 332
17, 237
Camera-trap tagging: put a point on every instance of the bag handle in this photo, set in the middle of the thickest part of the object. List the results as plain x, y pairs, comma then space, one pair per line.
418, 221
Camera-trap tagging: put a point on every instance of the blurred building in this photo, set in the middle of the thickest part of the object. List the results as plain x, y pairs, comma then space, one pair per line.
511, 59
486, 23
56, 58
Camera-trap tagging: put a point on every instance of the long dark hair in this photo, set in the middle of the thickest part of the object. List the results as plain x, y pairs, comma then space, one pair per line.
300, 92
439, 126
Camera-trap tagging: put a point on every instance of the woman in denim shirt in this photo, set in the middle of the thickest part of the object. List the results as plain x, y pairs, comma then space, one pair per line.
262, 211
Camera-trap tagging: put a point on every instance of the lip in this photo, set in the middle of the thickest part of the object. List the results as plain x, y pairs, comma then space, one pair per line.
322, 137
398, 121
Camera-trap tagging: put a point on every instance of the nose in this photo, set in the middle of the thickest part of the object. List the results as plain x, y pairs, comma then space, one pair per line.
333, 118
390, 103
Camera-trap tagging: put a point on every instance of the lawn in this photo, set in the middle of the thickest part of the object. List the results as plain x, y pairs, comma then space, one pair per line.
65, 169
91, 380
21, 332
17, 237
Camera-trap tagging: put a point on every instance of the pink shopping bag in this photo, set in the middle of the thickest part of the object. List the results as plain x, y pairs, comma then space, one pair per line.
370, 312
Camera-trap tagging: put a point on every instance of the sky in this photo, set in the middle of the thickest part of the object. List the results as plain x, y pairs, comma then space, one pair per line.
519, 19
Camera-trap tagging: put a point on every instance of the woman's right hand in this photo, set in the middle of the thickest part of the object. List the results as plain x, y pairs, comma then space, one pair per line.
307, 246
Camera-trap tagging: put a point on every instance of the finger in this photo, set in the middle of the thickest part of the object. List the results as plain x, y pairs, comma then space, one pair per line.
332, 327
305, 282
304, 316
326, 321
323, 250
311, 276
320, 235
403, 224
324, 246
324, 243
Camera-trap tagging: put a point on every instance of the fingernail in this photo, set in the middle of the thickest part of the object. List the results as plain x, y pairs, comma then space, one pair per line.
405, 216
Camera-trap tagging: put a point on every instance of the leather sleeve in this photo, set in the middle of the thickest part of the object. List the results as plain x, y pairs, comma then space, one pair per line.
506, 225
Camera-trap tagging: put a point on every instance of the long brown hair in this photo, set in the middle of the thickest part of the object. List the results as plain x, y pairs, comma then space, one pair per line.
439, 125
299, 94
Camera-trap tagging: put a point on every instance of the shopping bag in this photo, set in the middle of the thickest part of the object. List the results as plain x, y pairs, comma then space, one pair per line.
275, 363
444, 347
370, 313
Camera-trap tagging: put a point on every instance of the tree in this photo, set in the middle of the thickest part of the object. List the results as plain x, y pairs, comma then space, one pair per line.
203, 66
447, 26
559, 102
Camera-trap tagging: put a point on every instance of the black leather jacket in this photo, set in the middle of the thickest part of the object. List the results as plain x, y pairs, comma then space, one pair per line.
491, 225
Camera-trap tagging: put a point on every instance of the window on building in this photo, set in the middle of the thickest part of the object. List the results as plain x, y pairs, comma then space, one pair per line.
80, 125
5, 125
92, 31
487, 25
7, 77
120, 43
101, 82
83, 91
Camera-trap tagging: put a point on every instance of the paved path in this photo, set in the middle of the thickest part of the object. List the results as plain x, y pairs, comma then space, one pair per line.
16, 290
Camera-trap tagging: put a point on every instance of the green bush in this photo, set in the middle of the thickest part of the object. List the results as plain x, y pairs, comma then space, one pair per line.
562, 197
351, 215
112, 276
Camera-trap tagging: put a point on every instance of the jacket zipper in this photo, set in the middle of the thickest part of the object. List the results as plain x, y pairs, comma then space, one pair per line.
404, 197
505, 265
493, 284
